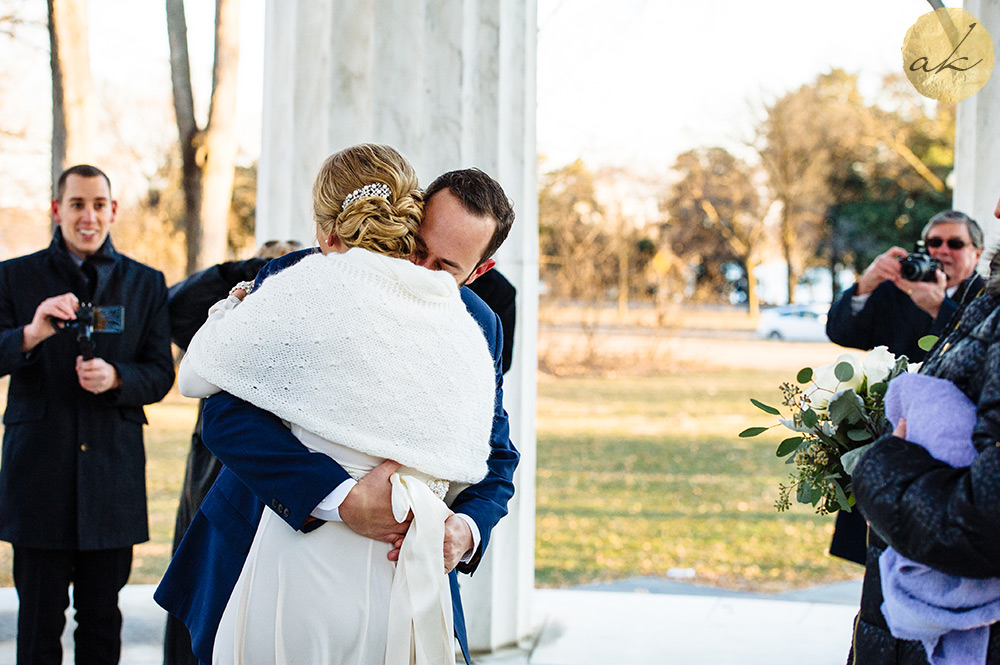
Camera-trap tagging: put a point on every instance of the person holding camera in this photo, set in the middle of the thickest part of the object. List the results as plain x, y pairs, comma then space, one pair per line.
900, 298
72, 476
894, 307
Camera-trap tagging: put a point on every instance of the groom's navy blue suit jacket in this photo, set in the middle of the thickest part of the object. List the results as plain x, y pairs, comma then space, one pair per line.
266, 465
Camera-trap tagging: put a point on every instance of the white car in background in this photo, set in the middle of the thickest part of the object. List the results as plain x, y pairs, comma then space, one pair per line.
799, 323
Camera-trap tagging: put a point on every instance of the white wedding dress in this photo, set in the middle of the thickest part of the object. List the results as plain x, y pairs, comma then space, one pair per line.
391, 365
332, 597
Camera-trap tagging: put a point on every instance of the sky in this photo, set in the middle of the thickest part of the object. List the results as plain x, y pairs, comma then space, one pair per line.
639, 81
625, 83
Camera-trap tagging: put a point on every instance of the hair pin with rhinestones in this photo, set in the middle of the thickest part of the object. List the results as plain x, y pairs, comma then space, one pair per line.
373, 190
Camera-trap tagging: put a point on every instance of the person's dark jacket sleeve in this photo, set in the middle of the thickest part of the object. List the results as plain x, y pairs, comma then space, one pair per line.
265, 455
11, 330
846, 328
943, 517
940, 516
486, 501
190, 299
888, 318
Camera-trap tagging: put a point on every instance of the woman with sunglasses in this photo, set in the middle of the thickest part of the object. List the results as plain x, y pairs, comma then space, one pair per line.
883, 308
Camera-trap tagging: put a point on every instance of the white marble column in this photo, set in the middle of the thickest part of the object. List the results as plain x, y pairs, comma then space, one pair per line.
451, 84
977, 141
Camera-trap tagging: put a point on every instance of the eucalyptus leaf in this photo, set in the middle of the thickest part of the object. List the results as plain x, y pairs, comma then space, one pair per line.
765, 408
809, 418
808, 494
859, 435
805, 375
788, 446
791, 424
927, 342
850, 459
753, 431
845, 503
829, 440
844, 371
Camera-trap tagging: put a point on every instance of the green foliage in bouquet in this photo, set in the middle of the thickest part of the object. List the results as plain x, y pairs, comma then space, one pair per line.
838, 410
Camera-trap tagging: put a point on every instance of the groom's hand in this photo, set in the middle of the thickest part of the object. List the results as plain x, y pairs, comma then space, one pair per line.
457, 541
367, 509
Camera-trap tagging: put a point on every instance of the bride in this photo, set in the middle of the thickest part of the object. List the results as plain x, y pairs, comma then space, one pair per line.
368, 357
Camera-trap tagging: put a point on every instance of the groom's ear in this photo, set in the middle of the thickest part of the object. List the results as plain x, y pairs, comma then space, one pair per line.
483, 267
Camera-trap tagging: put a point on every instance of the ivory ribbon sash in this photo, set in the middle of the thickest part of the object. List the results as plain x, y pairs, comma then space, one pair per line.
421, 623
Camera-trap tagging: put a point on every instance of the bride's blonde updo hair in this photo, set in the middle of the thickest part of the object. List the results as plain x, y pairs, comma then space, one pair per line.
386, 226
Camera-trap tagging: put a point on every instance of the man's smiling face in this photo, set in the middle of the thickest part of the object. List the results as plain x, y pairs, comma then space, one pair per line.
85, 213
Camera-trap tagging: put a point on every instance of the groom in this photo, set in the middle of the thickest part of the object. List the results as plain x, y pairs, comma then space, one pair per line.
467, 217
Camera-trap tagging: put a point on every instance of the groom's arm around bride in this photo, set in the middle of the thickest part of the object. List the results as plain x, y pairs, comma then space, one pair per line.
268, 466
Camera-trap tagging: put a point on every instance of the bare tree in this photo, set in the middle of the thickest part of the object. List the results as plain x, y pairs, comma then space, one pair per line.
73, 103
717, 215
574, 242
208, 153
805, 137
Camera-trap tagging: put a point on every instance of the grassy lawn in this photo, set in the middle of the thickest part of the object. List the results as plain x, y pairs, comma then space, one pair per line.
643, 474
636, 475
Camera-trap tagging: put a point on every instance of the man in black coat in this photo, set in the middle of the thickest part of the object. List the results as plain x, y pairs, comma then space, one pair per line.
884, 309
72, 473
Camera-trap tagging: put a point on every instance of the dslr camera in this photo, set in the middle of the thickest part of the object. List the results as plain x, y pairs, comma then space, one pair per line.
919, 265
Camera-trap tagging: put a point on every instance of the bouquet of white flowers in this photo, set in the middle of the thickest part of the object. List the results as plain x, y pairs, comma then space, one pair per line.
837, 414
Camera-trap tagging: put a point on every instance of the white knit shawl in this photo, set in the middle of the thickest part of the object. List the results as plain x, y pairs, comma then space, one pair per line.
371, 352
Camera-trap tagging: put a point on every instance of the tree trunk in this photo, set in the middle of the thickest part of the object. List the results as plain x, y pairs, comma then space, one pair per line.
73, 115
787, 239
753, 297
624, 245
218, 159
208, 155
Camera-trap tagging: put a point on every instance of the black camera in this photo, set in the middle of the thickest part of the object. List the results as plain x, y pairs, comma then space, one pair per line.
919, 266
90, 319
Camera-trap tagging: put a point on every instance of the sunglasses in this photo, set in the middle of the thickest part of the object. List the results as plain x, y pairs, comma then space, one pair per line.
953, 243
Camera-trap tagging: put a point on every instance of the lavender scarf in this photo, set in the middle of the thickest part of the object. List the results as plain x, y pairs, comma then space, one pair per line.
950, 615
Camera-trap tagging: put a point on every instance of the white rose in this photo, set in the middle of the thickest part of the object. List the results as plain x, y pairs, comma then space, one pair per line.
826, 383
878, 364
913, 368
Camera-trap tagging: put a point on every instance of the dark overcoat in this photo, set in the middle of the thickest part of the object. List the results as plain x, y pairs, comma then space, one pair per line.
72, 471
940, 516
889, 318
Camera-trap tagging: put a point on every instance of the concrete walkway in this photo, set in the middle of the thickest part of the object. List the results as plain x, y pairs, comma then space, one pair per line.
645, 621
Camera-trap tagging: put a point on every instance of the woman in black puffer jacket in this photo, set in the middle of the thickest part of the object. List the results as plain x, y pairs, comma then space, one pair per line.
940, 516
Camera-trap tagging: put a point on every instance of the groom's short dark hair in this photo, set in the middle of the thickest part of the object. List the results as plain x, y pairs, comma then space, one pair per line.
480, 195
